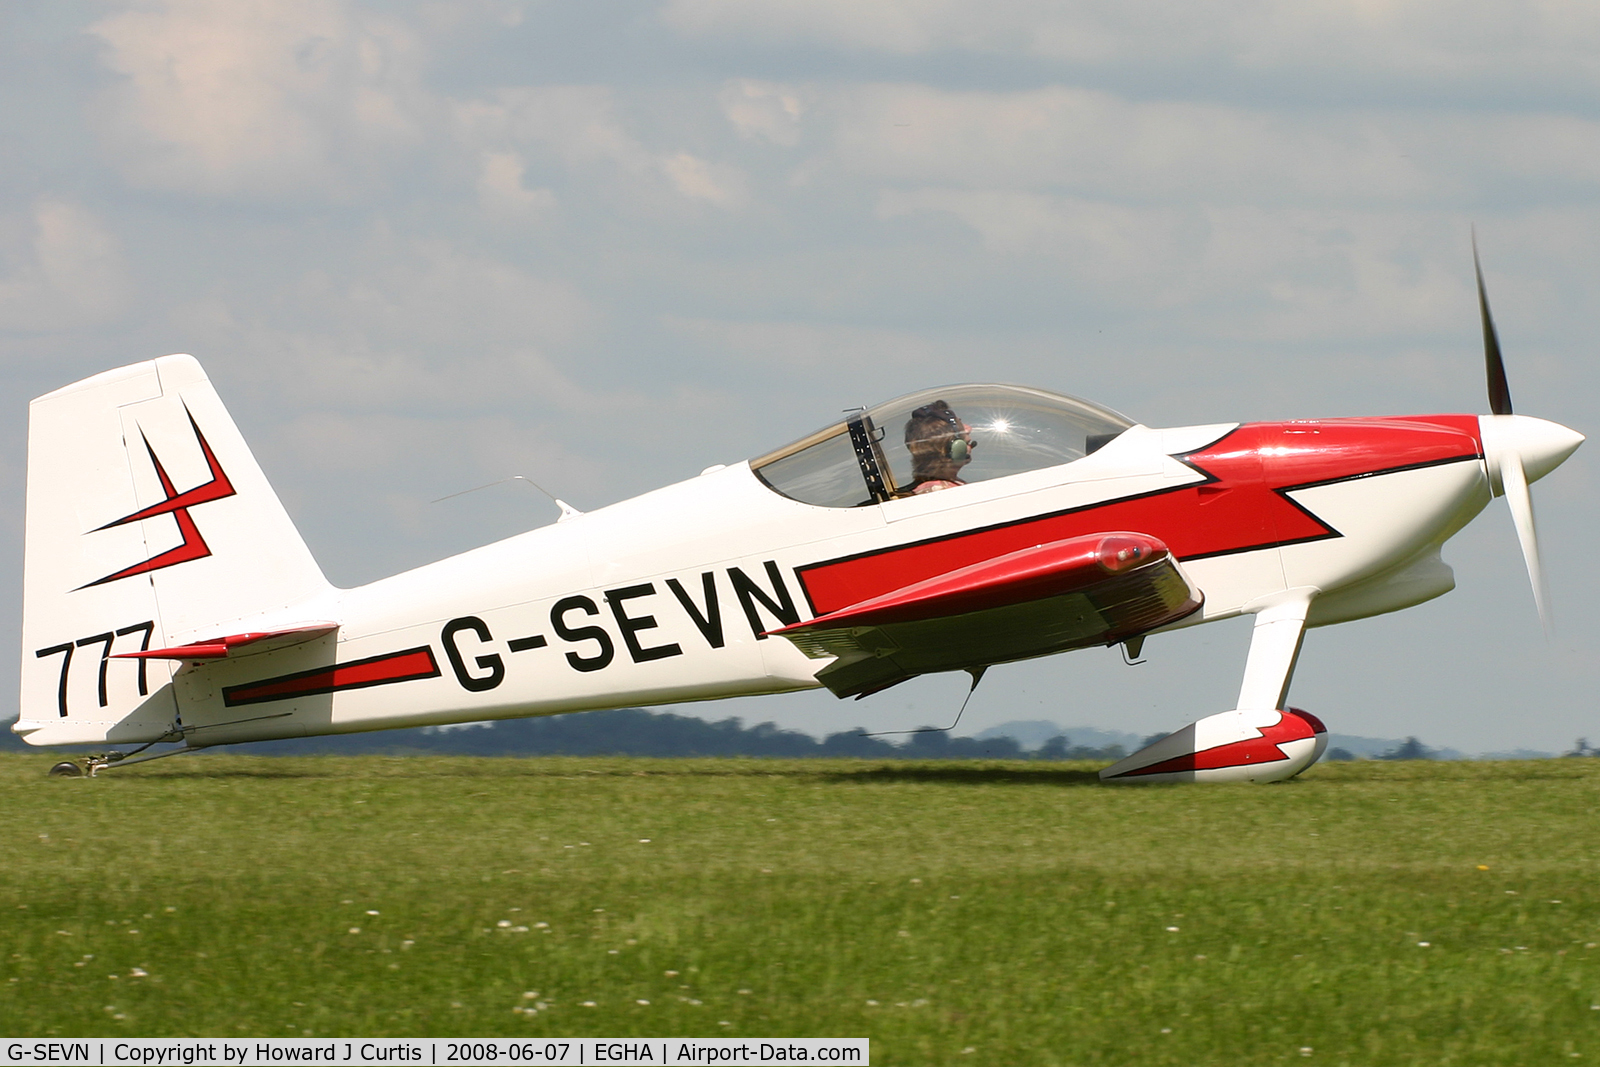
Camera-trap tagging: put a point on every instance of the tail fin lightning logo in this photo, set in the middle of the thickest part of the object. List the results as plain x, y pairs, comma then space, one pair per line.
177, 505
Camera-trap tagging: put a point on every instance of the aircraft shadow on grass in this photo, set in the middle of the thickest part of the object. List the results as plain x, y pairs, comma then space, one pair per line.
910, 773
972, 775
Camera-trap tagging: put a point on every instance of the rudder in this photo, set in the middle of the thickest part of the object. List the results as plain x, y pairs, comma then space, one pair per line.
149, 524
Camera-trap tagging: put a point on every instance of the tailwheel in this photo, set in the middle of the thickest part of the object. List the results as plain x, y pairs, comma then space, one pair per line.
91, 766
100, 760
87, 767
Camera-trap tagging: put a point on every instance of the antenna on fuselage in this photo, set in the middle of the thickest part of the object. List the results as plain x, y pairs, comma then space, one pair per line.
977, 676
567, 510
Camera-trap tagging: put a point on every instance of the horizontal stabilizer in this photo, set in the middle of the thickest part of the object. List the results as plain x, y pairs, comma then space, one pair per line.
236, 644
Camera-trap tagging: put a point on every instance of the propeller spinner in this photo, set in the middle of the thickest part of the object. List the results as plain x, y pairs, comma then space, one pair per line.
1517, 449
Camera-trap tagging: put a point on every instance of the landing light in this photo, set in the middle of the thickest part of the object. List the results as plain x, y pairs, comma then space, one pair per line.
1117, 554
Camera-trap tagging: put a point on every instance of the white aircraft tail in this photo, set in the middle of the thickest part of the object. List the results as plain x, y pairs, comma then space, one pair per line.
149, 526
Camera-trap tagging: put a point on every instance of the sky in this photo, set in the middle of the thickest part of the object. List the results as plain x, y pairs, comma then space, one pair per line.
420, 247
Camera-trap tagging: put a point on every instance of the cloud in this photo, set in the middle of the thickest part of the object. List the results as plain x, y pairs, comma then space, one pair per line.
1062, 137
1092, 142
502, 194
1239, 271
420, 325
258, 98
1102, 243
576, 124
68, 270
715, 183
795, 349
1446, 44
763, 110
578, 128
900, 26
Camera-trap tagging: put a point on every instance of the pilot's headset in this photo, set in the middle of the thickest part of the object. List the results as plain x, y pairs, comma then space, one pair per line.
957, 448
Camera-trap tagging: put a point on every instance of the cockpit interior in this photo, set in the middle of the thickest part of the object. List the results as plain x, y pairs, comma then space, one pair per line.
934, 440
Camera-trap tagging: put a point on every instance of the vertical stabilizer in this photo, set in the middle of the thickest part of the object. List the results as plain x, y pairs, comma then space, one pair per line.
149, 524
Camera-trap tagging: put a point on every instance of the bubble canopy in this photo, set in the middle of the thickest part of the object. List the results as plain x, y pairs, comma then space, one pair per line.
937, 439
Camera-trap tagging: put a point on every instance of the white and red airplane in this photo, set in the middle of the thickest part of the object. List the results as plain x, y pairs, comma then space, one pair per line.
168, 597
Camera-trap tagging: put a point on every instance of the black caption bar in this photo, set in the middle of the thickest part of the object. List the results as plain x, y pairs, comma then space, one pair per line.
576, 1052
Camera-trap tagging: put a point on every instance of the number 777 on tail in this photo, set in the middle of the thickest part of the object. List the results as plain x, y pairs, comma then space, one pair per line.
169, 599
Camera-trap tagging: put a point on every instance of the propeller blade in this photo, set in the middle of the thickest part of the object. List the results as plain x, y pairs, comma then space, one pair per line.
1499, 390
1515, 482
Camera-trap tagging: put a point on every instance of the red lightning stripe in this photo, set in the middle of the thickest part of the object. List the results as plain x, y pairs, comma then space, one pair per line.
193, 547
1241, 505
177, 505
216, 489
1296, 725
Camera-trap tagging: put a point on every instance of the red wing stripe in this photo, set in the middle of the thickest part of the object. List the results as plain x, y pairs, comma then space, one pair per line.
1034, 573
391, 667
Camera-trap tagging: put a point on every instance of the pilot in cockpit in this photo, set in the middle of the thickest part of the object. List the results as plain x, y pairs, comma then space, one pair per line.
940, 445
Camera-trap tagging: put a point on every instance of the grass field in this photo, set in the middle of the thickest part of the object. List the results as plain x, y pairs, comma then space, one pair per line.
1369, 913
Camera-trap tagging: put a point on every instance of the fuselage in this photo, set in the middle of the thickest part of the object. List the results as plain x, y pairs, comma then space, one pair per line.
669, 596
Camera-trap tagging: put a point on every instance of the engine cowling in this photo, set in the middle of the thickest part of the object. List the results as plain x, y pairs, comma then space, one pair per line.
1234, 746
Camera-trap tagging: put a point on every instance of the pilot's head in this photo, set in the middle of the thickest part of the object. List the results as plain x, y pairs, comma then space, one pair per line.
939, 442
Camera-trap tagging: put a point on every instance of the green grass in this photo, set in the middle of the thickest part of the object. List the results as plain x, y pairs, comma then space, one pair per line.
1021, 911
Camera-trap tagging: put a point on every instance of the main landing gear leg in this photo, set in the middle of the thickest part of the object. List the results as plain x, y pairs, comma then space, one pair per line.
1274, 649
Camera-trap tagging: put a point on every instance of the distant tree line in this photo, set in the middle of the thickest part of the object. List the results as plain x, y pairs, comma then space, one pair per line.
637, 732
1409, 749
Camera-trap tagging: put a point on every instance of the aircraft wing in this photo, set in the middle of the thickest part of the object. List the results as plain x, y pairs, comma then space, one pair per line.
1097, 589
